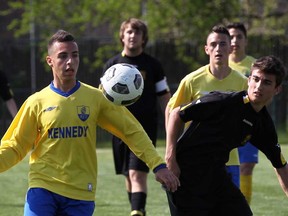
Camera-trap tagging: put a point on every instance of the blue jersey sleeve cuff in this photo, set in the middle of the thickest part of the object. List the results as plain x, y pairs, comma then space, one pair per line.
161, 166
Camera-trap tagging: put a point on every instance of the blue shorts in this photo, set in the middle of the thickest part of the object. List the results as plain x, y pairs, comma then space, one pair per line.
248, 153
234, 173
41, 202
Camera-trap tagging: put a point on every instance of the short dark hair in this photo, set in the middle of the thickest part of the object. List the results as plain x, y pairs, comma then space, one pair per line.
238, 25
60, 36
271, 65
220, 29
135, 24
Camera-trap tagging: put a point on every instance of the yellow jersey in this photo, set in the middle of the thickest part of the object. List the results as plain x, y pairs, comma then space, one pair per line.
201, 82
59, 129
243, 66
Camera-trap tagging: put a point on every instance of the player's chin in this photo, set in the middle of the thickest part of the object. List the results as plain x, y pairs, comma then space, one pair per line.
69, 79
257, 100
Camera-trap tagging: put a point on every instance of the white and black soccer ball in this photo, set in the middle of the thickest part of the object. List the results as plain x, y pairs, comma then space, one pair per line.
122, 84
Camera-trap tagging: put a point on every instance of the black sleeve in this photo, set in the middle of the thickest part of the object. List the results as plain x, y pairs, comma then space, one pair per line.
5, 90
266, 140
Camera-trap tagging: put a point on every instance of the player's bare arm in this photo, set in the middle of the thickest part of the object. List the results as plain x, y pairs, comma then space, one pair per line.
282, 175
174, 129
163, 100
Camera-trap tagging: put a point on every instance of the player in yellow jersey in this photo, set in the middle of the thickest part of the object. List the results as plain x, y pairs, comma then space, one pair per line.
58, 125
240, 61
217, 75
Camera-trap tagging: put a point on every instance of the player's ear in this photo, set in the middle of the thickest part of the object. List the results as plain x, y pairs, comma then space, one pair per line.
278, 89
206, 49
49, 61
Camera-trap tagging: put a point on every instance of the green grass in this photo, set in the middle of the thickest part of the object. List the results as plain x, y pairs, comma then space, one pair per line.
111, 198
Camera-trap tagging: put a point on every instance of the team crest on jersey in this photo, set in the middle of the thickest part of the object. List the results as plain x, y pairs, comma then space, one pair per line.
83, 112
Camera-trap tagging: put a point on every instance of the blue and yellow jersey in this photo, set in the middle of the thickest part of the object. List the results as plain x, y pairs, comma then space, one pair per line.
200, 83
243, 66
59, 129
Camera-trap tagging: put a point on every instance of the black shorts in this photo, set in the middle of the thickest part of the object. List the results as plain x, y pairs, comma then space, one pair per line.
207, 190
125, 159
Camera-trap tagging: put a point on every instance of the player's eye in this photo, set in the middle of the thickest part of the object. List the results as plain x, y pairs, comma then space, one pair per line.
222, 44
62, 55
255, 78
267, 82
75, 55
213, 44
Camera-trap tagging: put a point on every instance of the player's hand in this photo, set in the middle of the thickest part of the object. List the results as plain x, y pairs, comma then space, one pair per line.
173, 166
282, 174
167, 178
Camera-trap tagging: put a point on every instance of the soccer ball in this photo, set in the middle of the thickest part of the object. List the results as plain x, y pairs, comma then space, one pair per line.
122, 84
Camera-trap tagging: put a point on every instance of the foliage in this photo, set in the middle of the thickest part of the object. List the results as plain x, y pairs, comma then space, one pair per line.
177, 21
265, 17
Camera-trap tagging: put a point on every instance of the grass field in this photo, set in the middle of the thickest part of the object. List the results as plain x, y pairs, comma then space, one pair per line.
111, 199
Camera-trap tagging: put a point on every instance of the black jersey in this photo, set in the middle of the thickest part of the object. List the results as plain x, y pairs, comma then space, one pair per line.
5, 90
145, 109
222, 121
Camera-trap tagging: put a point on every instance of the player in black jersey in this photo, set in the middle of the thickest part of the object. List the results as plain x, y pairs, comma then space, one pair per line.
134, 37
7, 94
222, 121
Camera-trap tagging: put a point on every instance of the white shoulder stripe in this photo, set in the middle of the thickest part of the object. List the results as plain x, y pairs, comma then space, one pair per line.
162, 85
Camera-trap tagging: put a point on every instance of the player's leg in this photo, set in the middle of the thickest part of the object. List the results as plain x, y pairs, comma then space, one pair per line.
128, 188
171, 202
74, 207
248, 156
39, 202
232, 202
138, 177
197, 185
234, 173
42, 202
121, 161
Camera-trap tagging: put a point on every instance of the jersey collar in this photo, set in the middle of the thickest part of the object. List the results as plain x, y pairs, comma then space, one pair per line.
65, 94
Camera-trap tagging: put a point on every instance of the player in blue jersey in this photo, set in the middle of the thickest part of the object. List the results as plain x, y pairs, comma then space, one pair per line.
58, 126
134, 37
222, 121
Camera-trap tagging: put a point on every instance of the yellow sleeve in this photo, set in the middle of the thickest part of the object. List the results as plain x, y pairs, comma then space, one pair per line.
19, 138
120, 122
183, 94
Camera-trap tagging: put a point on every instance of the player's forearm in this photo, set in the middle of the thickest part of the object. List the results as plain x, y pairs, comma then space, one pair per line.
174, 129
282, 175
167, 113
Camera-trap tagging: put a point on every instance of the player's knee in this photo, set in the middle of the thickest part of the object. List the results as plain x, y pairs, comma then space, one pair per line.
247, 168
138, 177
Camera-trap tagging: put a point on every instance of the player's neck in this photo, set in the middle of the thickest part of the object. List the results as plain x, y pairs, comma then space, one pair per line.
64, 86
220, 71
237, 57
257, 107
131, 52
